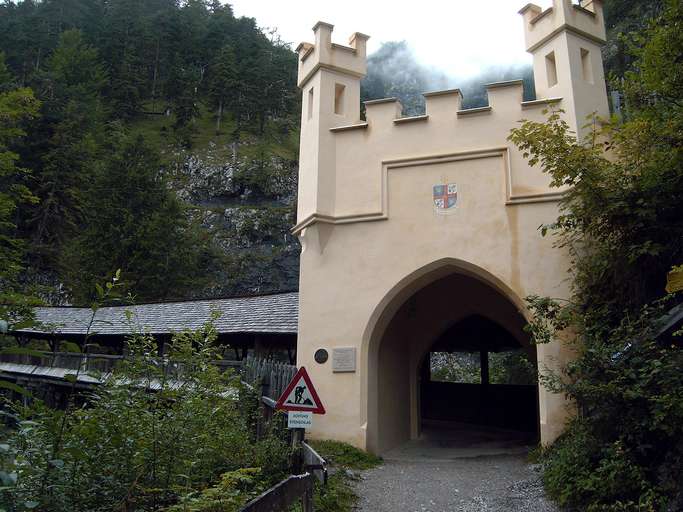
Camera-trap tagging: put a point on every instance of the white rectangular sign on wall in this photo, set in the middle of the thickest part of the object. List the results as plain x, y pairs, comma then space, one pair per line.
299, 419
344, 359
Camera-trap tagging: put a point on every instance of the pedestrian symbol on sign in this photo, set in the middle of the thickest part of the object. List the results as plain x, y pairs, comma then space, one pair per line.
300, 395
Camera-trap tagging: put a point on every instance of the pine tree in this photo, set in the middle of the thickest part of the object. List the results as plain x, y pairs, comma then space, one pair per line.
73, 117
136, 224
16, 107
223, 82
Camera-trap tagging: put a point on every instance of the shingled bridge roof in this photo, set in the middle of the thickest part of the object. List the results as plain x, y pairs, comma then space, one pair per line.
276, 313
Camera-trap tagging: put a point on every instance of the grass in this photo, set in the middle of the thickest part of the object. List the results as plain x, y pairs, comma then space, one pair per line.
339, 495
342, 455
158, 130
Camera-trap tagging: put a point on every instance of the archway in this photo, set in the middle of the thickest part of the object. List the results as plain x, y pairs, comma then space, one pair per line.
449, 308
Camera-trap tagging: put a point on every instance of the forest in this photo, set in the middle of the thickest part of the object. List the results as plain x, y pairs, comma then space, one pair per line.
147, 126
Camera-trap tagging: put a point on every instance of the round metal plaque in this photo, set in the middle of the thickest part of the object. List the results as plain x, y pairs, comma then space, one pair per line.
321, 356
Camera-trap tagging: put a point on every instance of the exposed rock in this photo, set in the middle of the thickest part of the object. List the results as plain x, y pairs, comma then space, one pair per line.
248, 205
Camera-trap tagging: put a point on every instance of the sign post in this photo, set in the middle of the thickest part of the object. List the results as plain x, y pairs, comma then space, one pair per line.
301, 401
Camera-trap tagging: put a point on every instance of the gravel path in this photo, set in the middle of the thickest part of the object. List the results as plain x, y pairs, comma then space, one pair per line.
490, 484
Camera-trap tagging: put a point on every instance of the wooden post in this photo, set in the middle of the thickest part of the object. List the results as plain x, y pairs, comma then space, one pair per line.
307, 498
297, 439
484, 365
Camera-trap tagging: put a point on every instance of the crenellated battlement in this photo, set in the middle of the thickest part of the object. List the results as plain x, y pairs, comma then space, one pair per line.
326, 54
585, 19
346, 164
503, 97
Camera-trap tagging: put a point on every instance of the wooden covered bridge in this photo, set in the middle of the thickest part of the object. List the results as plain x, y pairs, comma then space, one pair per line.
262, 324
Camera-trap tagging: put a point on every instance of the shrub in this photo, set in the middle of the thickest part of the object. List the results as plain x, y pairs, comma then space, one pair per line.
622, 224
159, 431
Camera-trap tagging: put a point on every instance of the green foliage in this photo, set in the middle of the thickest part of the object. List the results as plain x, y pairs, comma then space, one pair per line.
623, 20
191, 77
512, 367
161, 432
600, 485
622, 223
629, 389
17, 107
339, 494
234, 489
344, 455
223, 86
72, 121
462, 367
137, 224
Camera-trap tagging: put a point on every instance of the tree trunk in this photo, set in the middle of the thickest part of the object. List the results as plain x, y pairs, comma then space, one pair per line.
219, 117
154, 79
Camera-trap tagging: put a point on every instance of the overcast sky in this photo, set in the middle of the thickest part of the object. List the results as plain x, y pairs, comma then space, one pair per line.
459, 37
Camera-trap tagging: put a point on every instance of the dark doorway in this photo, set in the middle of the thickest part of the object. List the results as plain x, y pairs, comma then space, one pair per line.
454, 316
477, 377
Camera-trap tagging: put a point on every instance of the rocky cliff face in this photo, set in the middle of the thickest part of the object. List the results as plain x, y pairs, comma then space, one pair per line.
248, 205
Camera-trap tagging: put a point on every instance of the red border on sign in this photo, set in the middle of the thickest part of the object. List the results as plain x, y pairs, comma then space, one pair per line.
319, 409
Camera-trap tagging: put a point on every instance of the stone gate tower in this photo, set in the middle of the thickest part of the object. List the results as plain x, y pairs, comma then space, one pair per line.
409, 225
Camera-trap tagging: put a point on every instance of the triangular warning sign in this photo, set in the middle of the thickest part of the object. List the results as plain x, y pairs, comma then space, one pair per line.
300, 395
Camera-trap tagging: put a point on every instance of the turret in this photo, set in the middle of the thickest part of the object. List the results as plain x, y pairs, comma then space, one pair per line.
565, 41
329, 77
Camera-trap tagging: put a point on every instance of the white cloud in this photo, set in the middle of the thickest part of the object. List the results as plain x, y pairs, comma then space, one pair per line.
460, 37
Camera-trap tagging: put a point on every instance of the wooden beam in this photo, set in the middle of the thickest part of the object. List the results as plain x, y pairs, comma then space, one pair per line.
284, 495
484, 365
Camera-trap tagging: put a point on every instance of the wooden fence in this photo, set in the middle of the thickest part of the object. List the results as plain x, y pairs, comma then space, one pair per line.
273, 376
296, 488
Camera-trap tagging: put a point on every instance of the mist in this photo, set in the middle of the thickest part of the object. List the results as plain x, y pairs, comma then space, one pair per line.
394, 71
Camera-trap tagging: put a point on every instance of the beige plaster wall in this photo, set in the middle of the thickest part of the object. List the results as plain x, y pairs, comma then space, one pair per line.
371, 236
354, 272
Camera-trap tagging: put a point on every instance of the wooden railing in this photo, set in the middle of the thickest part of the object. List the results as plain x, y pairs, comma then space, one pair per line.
279, 498
67, 360
26, 363
314, 463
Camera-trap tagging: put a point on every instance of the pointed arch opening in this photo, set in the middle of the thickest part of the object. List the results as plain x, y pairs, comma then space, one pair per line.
447, 355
